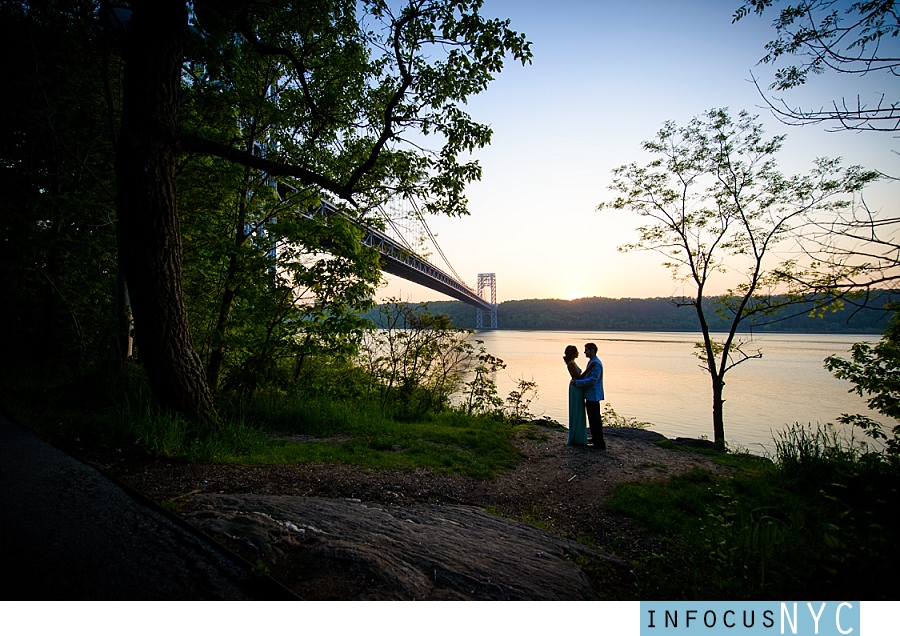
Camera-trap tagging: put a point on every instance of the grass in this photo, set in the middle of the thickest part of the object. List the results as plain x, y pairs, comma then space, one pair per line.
538, 518
818, 520
366, 434
112, 411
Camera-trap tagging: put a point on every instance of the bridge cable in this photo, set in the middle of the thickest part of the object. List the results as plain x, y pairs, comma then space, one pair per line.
434, 241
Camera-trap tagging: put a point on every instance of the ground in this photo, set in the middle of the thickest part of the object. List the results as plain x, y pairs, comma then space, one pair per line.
561, 489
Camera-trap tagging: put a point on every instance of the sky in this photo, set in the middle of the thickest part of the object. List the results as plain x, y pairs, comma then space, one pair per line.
605, 76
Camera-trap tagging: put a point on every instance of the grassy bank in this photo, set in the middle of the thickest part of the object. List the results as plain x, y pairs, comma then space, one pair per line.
114, 411
816, 521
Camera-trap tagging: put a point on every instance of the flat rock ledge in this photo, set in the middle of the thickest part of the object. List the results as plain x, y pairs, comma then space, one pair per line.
347, 549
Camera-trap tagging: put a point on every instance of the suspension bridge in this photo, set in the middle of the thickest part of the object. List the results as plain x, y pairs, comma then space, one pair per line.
404, 245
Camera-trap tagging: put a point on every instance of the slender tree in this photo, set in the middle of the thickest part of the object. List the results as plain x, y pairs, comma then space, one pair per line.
269, 283
714, 202
854, 254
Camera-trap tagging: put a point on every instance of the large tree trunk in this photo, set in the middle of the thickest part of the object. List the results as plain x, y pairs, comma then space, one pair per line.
149, 236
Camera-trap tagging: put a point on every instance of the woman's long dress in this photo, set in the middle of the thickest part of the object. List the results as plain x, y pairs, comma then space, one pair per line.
577, 420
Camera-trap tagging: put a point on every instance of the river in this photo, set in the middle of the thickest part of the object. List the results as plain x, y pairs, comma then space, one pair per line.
654, 377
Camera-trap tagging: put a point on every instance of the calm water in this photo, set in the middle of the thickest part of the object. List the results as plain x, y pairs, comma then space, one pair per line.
654, 377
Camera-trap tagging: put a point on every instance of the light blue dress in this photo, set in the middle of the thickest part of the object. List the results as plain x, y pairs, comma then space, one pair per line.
577, 418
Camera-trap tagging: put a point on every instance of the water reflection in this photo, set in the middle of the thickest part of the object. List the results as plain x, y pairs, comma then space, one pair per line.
655, 377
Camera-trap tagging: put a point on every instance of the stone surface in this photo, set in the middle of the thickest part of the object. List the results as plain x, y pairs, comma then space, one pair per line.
70, 533
702, 444
343, 548
633, 433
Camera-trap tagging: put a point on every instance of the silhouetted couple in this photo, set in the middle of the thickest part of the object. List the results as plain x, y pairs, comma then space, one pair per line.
585, 393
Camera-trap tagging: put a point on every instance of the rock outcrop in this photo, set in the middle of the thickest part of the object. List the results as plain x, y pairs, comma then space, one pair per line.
347, 549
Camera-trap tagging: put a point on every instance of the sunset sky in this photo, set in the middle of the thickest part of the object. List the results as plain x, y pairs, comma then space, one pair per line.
605, 76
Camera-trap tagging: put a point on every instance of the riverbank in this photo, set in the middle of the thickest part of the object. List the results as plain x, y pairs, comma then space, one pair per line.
815, 522
557, 488
659, 314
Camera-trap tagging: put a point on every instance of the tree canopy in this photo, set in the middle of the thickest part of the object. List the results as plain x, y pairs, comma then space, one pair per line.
184, 146
660, 314
822, 36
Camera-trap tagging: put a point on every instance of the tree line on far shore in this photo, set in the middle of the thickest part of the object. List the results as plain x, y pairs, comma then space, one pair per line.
661, 314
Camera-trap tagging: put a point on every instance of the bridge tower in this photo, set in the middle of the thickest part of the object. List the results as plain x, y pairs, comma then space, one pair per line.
487, 280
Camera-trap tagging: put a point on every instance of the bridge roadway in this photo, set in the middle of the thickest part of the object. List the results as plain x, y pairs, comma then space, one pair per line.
400, 261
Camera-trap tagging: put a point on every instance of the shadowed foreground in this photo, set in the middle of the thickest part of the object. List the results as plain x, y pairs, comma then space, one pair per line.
70, 533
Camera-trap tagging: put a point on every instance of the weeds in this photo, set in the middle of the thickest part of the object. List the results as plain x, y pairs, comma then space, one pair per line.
817, 520
519, 400
614, 420
538, 518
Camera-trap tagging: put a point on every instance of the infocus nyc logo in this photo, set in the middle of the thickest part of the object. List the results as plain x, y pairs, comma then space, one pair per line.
819, 618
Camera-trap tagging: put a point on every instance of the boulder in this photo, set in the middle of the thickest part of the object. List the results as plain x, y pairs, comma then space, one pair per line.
691, 442
632, 433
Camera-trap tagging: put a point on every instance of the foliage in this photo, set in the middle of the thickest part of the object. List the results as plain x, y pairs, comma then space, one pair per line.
421, 363
874, 372
58, 255
480, 393
271, 281
815, 522
352, 87
832, 36
714, 202
266, 303
855, 250
274, 107
662, 314
281, 79
416, 358
317, 94
612, 419
519, 399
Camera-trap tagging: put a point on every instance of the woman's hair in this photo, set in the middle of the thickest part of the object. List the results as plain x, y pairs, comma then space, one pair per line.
572, 350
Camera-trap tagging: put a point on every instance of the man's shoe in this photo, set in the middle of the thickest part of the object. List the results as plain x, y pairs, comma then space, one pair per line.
600, 446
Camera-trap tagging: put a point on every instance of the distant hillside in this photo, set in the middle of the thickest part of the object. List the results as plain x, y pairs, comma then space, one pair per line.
652, 314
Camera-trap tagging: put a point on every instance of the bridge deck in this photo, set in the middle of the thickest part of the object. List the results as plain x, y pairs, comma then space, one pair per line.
399, 260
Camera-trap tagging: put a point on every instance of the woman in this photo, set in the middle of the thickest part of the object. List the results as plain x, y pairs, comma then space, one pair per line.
577, 423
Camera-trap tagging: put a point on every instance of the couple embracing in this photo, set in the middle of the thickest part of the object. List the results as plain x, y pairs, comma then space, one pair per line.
585, 393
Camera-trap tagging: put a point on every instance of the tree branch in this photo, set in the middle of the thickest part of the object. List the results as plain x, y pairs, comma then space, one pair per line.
387, 130
193, 143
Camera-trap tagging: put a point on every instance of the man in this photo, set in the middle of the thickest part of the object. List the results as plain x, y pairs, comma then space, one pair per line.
592, 383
